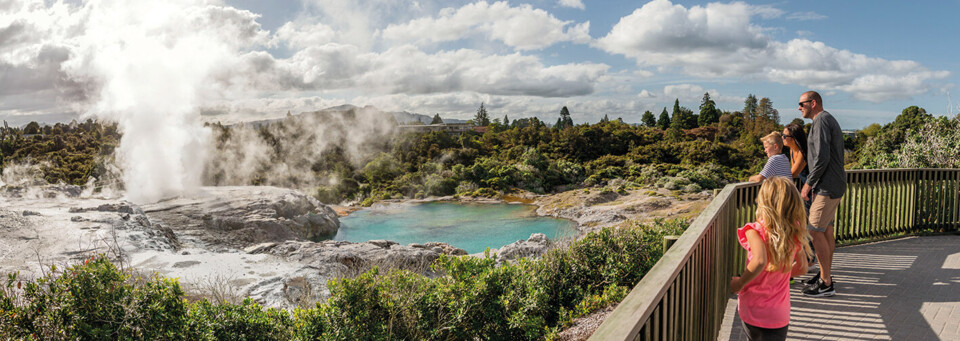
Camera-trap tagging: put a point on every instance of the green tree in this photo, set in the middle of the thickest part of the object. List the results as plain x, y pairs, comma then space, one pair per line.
767, 118
436, 119
709, 113
605, 119
664, 121
32, 128
481, 119
870, 130
648, 119
506, 121
565, 120
682, 117
750, 112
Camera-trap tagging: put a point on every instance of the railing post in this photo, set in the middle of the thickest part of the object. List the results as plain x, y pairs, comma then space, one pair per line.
668, 242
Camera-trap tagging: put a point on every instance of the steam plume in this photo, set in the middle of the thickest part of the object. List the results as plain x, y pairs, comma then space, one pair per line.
150, 65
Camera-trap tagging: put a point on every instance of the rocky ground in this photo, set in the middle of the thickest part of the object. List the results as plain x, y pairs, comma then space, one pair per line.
226, 243
223, 243
595, 208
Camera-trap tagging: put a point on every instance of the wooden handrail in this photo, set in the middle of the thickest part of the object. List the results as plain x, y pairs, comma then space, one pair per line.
683, 297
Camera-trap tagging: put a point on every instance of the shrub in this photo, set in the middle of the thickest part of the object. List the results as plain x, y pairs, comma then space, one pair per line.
470, 298
244, 321
92, 300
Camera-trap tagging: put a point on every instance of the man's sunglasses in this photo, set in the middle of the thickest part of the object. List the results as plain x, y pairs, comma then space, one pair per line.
801, 103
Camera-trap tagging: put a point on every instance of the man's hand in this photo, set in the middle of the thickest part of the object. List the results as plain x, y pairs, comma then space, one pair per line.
805, 193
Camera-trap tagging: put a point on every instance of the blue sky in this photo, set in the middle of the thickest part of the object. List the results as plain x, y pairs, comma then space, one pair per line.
261, 59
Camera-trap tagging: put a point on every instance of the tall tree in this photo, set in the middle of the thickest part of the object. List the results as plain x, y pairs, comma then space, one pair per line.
565, 120
648, 119
664, 121
506, 120
708, 111
750, 112
436, 119
766, 117
605, 119
481, 119
682, 117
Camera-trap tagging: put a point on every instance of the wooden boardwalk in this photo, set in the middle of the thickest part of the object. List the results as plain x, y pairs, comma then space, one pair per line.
904, 289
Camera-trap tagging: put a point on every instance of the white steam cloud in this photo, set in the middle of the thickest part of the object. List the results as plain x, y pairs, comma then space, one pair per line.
149, 67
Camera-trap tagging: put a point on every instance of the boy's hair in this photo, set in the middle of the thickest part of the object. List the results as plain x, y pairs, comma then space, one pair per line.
781, 212
773, 138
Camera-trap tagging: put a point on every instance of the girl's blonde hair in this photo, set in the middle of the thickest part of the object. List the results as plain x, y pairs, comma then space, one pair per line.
781, 212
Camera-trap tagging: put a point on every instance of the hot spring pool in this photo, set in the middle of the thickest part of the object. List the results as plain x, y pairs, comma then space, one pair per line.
472, 227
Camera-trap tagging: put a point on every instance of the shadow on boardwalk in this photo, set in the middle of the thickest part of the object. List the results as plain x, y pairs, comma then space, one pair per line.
905, 289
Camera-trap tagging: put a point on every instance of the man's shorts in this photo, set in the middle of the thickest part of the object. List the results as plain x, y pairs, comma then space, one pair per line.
822, 211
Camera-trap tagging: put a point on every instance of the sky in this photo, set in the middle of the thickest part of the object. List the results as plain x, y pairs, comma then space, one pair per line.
241, 60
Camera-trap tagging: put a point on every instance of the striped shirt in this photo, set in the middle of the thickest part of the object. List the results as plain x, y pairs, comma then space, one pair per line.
777, 165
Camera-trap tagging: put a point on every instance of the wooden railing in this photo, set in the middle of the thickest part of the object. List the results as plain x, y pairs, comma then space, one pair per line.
683, 297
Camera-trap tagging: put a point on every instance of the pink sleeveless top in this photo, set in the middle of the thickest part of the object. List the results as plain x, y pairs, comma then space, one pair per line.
765, 301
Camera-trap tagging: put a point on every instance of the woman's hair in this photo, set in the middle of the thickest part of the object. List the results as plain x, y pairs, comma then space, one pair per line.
781, 212
773, 138
798, 136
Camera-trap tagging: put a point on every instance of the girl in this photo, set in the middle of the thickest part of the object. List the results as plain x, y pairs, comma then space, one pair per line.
776, 249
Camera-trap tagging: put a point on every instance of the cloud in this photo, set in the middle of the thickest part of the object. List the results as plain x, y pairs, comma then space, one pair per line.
805, 16
646, 94
304, 34
523, 27
719, 40
571, 4
407, 69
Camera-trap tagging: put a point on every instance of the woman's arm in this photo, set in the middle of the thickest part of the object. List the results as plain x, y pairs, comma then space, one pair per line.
797, 166
759, 261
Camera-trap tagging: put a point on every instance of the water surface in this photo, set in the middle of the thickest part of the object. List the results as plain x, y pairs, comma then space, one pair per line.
472, 227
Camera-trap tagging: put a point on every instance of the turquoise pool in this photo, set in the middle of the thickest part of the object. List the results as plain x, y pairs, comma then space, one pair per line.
472, 227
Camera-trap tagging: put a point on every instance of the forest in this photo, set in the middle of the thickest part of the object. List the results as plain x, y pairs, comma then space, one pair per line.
678, 149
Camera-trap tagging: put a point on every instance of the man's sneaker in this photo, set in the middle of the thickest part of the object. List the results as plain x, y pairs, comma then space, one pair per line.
820, 290
813, 280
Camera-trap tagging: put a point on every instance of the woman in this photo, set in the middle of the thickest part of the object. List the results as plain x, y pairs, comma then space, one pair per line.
795, 139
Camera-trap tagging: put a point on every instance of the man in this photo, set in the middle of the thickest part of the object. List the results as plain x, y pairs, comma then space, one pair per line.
826, 183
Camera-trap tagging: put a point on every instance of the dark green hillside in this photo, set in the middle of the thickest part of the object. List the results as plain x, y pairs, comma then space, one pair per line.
68, 153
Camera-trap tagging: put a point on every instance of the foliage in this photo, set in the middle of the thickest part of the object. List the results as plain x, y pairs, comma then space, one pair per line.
473, 298
564, 121
881, 150
709, 113
481, 118
67, 153
664, 121
648, 119
92, 300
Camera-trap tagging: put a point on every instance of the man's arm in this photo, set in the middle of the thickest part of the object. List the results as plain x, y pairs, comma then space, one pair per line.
819, 150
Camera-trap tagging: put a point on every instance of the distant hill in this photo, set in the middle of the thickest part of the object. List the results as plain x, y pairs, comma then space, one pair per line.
402, 117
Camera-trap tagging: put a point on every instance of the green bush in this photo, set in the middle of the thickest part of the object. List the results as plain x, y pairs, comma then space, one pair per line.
92, 300
470, 298
244, 321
